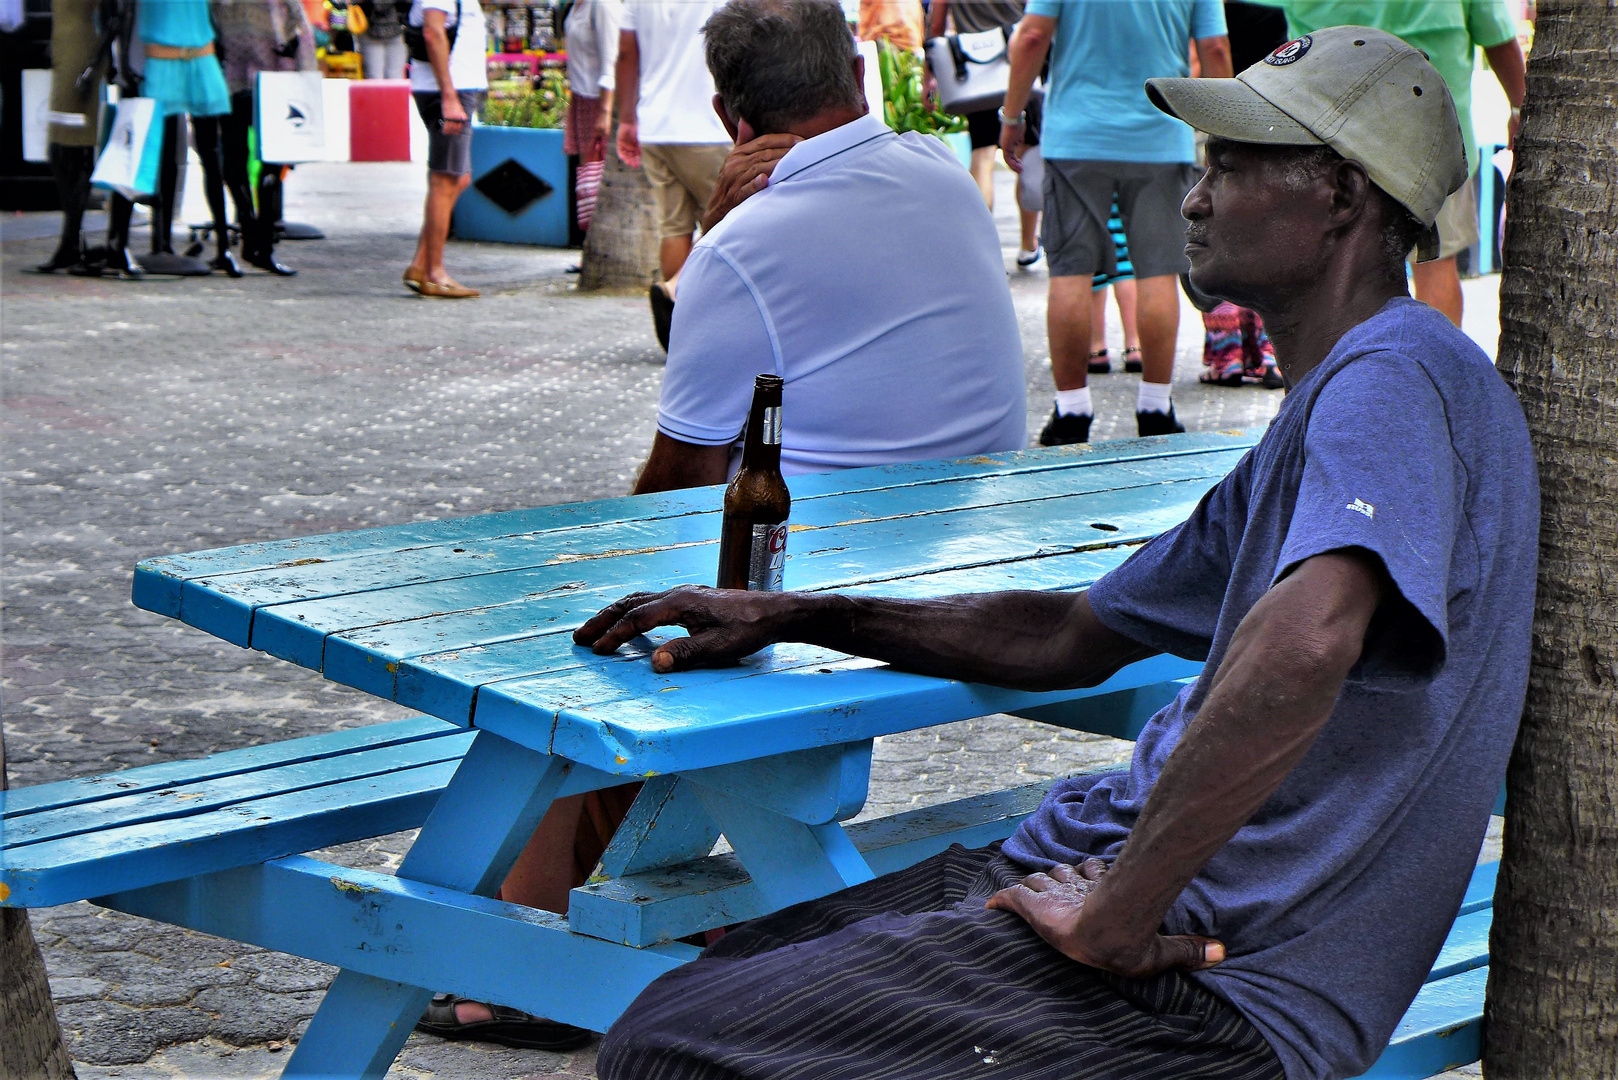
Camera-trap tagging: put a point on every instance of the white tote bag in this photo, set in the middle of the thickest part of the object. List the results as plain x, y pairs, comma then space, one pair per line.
290, 117
128, 163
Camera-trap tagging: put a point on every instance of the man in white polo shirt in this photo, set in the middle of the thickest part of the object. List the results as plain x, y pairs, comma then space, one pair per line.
665, 122
896, 337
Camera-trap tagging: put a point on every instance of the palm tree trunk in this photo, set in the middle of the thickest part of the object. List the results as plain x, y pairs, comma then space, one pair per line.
620, 251
30, 1042
1553, 977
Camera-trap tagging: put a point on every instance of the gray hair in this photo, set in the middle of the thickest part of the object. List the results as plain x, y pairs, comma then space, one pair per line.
776, 63
1400, 229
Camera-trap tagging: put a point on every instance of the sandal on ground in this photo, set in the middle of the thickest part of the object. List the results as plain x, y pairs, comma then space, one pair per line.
510, 1027
1099, 363
1132, 361
446, 292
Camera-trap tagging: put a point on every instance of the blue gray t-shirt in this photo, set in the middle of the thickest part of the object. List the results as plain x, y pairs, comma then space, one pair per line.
1333, 901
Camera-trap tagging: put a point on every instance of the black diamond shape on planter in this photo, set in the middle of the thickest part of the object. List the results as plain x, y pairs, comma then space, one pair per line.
512, 187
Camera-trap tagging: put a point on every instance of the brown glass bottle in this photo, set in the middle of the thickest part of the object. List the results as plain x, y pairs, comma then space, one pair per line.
753, 537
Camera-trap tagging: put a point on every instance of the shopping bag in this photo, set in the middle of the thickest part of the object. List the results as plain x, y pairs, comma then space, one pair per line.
128, 163
290, 116
971, 70
585, 190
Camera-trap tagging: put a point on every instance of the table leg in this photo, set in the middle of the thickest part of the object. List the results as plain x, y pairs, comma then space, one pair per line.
789, 861
481, 822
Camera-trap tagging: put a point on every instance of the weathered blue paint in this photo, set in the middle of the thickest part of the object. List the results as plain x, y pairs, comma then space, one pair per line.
816, 786
404, 933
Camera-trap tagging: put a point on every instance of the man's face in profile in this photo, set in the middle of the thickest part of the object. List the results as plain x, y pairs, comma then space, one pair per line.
1255, 225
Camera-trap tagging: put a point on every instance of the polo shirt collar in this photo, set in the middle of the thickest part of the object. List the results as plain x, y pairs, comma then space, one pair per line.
828, 144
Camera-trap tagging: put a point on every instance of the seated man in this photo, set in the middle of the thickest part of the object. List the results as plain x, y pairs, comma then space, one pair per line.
1263, 891
896, 337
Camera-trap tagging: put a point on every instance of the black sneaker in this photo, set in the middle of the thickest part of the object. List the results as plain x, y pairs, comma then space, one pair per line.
662, 314
1156, 423
1062, 429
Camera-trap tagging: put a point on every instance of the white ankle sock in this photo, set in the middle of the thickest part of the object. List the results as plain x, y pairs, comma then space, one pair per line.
1074, 402
1153, 397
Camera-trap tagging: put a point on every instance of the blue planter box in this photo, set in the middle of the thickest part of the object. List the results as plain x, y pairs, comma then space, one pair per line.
518, 193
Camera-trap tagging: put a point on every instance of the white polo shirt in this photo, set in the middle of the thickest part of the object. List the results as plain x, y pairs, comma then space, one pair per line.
676, 90
869, 276
468, 57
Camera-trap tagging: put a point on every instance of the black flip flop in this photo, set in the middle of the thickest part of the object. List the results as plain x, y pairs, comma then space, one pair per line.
510, 1027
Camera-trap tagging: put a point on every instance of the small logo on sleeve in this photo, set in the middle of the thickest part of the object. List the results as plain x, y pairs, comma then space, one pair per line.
1360, 506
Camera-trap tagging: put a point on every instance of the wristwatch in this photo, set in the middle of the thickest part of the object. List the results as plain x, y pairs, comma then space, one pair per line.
1004, 119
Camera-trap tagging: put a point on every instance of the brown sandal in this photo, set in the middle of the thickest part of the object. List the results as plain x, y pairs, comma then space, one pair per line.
510, 1027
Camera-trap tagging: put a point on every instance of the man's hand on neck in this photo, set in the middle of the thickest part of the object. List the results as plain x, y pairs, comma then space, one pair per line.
748, 167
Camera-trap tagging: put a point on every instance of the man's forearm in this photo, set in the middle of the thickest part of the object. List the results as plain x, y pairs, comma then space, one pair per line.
1271, 696
627, 76
936, 14
1506, 61
437, 41
1026, 50
1025, 640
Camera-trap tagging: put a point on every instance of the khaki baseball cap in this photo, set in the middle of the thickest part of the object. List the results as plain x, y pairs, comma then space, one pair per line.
1362, 92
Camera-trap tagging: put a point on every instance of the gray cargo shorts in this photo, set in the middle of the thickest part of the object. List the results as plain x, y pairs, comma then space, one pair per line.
449, 153
1078, 200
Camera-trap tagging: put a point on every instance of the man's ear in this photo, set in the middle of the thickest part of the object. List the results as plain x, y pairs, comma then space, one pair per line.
724, 118
859, 81
1351, 192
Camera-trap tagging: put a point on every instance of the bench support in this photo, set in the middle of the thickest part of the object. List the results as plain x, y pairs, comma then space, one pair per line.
468, 844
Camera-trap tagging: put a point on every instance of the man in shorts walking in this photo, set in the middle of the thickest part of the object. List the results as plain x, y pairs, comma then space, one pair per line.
449, 86
1103, 141
667, 124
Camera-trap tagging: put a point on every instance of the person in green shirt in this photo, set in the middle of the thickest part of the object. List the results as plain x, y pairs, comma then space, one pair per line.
1449, 32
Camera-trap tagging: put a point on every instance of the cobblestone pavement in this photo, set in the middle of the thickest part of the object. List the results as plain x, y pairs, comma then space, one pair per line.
176, 415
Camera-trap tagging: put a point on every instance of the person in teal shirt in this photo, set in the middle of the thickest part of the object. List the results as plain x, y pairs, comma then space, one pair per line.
1450, 33
1102, 144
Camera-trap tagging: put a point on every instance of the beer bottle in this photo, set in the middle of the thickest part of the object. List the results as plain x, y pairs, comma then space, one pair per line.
753, 536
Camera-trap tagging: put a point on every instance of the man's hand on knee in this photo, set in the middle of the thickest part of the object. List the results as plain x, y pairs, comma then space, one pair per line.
1054, 905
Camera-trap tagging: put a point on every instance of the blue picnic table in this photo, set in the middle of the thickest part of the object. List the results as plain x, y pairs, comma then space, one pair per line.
469, 621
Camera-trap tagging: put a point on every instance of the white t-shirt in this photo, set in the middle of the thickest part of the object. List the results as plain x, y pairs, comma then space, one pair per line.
676, 91
468, 57
887, 314
592, 46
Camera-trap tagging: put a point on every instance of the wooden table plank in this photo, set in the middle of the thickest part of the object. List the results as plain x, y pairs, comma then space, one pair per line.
157, 579
831, 557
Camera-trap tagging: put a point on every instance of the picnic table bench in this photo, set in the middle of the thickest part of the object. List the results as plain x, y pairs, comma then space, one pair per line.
468, 620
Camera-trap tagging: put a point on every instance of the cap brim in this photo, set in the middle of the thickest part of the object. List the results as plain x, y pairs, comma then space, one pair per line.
1228, 109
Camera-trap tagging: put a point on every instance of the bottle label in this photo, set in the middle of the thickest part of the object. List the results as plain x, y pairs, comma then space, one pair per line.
768, 558
772, 425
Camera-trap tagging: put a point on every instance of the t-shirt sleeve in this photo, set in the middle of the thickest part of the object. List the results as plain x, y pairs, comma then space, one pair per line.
607, 19
446, 6
1380, 475
718, 344
626, 16
1207, 19
1168, 595
1489, 22
1049, 8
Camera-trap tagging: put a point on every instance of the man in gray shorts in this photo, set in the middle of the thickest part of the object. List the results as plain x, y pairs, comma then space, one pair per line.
1103, 140
449, 84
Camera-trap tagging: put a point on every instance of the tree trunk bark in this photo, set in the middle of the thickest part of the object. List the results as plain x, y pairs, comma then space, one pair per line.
30, 1041
1553, 978
620, 251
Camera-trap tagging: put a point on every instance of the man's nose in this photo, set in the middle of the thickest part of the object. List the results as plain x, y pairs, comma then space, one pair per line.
1196, 205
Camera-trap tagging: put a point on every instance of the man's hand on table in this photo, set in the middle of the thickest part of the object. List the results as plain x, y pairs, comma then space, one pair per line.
746, 172
1053, 904
724, 625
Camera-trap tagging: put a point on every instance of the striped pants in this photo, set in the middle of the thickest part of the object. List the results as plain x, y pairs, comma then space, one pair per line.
909, 978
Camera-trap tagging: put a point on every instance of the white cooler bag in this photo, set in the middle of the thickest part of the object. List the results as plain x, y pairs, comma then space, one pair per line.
290, 117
